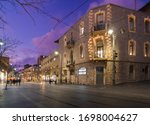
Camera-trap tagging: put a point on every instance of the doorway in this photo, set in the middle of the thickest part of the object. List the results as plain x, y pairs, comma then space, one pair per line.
100, 75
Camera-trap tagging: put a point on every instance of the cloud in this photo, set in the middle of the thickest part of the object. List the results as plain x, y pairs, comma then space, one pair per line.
27, 60
24, 56
45, 44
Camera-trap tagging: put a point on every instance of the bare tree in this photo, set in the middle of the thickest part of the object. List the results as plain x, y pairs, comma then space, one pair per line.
8, 45
28, 6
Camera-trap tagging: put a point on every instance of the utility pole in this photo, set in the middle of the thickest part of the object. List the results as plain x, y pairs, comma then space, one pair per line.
114, 54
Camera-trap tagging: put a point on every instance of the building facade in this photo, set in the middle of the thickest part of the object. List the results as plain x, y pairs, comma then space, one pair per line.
50, 66
30, 74
4, 67
108, 45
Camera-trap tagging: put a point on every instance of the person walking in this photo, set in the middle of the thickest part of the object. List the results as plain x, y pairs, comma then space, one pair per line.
19, 81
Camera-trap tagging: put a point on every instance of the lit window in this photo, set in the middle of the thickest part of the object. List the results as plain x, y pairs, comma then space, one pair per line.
99, 49
81, 51
65, 40
81, 28
146, 49
131, 23
99, 18
132, 48
147, 26
82, 71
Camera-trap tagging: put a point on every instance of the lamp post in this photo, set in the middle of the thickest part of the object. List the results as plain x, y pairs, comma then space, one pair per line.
57, 53
1, 44
111, 32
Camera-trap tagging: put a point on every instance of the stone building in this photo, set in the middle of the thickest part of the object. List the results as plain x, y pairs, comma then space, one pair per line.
93, 54
4, 67
30, 74
50, 66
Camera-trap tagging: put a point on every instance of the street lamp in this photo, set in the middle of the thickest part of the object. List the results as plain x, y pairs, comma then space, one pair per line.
57, 53
1, 44
111, 32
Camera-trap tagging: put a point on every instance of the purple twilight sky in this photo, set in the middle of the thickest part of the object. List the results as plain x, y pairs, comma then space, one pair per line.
38, 38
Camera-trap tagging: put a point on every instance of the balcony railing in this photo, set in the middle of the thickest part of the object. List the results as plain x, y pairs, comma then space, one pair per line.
70, 43
99, 27
99, 56
70, 63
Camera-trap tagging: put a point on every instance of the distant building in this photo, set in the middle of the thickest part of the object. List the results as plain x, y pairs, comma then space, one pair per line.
50, 66
4, 66
30, 74
27, 66
40, 58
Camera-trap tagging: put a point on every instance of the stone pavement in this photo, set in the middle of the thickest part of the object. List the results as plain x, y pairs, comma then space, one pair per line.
135, 89
46, 95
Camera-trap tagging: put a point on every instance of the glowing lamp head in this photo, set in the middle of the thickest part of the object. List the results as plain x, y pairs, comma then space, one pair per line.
110, 31
56, 53
1, 43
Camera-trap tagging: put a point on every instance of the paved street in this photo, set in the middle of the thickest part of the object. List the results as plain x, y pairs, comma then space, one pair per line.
42, 95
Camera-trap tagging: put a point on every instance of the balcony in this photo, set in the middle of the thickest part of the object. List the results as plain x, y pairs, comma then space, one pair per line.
70, 43
99, 56
99, 28
70, 63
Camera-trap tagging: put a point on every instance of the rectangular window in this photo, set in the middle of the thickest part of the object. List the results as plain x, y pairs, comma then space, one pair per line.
100, 22
81, 51
99, 49
131, 48
99, 18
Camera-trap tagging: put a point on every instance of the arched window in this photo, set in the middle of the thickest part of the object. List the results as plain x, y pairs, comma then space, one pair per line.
132, 48
81, 28
131, 23
81, 51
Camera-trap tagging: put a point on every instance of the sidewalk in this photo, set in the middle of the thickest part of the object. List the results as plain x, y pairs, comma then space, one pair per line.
131, 90
134, 90
137, 90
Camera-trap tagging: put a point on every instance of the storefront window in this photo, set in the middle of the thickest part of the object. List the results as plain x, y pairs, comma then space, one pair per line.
82, 71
